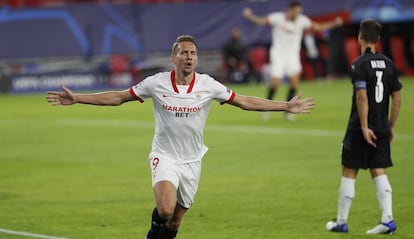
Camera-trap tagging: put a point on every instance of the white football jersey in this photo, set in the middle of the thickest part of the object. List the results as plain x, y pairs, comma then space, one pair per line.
286, 34
180, 113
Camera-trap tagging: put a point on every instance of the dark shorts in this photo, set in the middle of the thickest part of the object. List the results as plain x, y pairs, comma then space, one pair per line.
356, 153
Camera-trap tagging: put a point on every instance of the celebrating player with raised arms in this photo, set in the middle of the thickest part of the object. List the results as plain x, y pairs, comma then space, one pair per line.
181, 101
287, 31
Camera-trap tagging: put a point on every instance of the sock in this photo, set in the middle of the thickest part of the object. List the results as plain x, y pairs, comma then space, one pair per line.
346, 196
157, 225
168, 233
291, 93
384, 195
157, 219
271, 93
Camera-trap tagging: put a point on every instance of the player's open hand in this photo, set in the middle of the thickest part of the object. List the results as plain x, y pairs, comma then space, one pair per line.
339, 21
300, 106
247, 12
66, 97
369, 136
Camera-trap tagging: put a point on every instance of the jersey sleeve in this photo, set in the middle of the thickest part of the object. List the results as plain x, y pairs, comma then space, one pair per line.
306, 22
142, 90
273, 19
358, 79
220, 92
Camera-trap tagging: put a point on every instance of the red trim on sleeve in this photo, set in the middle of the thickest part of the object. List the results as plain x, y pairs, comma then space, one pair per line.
173, 83
190, 87
131, 91
230, 99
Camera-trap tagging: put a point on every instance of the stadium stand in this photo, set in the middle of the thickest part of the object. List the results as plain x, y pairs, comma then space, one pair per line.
121, 37
351, 49
53, 3
258, 57
398, 55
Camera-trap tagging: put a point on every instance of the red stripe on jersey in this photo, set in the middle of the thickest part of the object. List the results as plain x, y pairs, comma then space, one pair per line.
190, 88
174, 83
131, 91
230, 99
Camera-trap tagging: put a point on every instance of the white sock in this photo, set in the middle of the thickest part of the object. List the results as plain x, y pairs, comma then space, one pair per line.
384, 195
346, 196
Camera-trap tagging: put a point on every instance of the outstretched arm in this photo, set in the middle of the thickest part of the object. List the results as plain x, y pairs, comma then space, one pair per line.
67, 97
320, 27
249, 15
295, 105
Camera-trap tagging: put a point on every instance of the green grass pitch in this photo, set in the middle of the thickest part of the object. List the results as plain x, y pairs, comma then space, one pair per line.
81, 172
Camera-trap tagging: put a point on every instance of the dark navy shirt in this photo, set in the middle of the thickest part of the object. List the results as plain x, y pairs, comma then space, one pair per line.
376, 74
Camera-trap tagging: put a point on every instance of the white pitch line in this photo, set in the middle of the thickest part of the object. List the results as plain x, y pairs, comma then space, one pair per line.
28, 234
222, 128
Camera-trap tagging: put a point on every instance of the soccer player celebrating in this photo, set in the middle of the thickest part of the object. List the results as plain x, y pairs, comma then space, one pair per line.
287, 31
181, 102
370, 130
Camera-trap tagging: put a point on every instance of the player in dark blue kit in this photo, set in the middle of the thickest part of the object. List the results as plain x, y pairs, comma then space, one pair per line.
370, 129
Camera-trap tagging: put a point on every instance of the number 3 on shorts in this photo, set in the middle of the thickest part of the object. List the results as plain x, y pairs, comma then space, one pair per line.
379, 87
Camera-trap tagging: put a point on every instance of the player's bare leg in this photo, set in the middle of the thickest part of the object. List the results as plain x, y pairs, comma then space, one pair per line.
293, 85
165, 199
384, 196
345, 198
274, 84
375, 172
349, 172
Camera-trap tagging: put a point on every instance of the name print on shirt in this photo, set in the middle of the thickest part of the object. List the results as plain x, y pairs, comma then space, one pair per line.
182, 112
378, 64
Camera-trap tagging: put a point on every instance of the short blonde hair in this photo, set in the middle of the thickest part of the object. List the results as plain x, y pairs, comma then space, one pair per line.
182, 38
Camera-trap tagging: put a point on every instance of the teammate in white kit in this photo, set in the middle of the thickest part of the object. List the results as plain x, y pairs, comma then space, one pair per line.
287, 31
181, 101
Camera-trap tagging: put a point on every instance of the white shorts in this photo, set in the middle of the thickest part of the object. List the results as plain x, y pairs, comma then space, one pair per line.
284, 65
185, 177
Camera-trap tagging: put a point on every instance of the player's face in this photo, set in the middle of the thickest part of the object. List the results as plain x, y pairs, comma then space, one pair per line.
295, 11
185, 60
